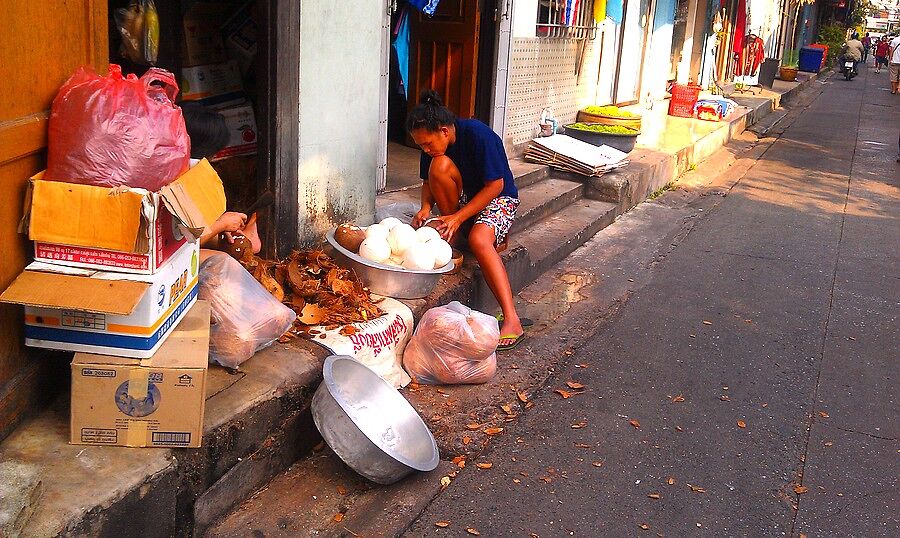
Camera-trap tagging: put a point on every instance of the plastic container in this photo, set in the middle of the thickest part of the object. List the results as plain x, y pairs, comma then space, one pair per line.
684, 97
824, 54
811, 59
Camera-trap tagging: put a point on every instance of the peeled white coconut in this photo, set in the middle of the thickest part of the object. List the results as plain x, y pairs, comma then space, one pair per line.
377, 230
418, 258
375, 249
426, 234
442, 251
390, 222
401, 237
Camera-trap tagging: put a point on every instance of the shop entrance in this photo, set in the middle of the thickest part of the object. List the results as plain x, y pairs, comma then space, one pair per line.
453, 52
223, 54
632, 45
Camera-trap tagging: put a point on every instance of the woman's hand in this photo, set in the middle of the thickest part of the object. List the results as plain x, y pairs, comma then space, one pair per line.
448, 225
231, 221
420, 218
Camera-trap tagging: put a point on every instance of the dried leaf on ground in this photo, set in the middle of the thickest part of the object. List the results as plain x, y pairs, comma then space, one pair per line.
565, 394
522, 397
341, 490
445, 481
741, 424
644, 526
653, 495
724, 398
574, 385
696, 489
338, 518
442, 524
800, 490
707, 322
579, 425
348, 330
459, 461
492, 431
473, 426
466, 440
582, 445
823, 414
484, 465
678, 399
597, 463
635, 423
473, 532
506, 409
670, 481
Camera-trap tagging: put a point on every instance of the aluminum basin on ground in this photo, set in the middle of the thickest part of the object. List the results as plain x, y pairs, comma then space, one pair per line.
370, 425
385, 279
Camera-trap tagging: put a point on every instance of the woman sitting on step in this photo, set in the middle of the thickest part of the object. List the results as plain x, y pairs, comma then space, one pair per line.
466, 174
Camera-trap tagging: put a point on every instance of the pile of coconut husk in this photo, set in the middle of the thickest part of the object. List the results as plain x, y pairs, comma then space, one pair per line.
320, 291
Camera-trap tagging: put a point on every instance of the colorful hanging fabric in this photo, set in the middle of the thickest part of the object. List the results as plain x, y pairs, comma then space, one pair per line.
614, 10
427, 7
401, 46
599, 11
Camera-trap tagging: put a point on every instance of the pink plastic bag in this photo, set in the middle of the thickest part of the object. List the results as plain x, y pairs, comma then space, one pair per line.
117, 131
453, 344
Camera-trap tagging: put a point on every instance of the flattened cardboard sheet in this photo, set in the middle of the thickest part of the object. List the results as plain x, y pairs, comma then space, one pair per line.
54, 290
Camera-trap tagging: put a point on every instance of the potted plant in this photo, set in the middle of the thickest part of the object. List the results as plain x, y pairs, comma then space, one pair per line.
789, 66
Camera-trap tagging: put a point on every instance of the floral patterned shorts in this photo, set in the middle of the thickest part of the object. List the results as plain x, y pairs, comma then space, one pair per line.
499, 215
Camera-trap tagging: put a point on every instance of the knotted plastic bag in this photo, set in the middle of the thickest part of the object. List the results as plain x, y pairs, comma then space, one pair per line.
115, 131
453, 344
245, 317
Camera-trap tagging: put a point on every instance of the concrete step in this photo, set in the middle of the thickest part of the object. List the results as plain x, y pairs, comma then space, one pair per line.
527, 173
257, 424
320, 496
544, 198
545, 243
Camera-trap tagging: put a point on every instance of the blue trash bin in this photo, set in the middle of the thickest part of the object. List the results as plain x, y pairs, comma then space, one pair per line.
811, 59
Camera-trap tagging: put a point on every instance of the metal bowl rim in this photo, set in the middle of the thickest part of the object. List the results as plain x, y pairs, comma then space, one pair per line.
336, 394
357, 258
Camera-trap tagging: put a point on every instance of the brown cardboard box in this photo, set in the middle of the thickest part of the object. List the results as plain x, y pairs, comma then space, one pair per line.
156, 402
135, 231
202, 36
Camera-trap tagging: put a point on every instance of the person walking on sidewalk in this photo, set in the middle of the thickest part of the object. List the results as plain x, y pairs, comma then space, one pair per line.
881, 53
867, 44
466, 173
894, 67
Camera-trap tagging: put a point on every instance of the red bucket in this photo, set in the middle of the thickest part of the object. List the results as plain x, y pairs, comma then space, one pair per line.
684, 97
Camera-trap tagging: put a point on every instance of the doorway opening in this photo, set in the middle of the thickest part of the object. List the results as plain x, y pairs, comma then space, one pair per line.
453, 52
232, 57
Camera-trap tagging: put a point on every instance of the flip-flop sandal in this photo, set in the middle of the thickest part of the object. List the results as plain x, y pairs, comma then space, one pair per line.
518, 340
526, 322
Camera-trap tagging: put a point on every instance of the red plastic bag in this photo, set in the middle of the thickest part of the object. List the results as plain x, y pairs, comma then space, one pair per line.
117, 131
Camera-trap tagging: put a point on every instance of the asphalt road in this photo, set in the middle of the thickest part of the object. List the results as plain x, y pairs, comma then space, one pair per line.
748, 385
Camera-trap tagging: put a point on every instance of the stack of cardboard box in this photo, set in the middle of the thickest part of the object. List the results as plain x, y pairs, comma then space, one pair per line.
115, 279
215, 59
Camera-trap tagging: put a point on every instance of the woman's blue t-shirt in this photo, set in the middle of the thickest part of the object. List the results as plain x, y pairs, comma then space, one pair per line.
478, 153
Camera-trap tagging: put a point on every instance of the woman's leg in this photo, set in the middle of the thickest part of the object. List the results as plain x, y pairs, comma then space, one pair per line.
445, 183
481, 242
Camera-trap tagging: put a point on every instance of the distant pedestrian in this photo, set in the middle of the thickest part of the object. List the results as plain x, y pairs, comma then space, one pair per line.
867, 44
894, 67
881, 53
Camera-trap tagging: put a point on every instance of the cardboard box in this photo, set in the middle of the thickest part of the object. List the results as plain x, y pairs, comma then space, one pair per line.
74, 309
240, 33
243, 134
135, 231
215, 85
202, 38
156, 402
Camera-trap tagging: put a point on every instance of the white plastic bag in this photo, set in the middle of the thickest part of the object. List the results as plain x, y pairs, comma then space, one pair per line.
245, 317
377, 343
453, 344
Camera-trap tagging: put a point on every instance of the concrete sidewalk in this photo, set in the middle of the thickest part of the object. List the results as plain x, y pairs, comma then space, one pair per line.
748, 384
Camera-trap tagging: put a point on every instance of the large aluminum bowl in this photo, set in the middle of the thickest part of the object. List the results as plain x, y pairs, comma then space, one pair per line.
369, 424
385, 279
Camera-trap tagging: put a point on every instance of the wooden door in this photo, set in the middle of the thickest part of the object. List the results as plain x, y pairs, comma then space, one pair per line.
41, 44
443, 54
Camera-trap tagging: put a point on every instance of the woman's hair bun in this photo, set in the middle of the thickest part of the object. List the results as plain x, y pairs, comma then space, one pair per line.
430, 97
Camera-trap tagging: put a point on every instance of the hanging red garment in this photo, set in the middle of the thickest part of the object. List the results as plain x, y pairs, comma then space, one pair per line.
750, 57
740, 26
